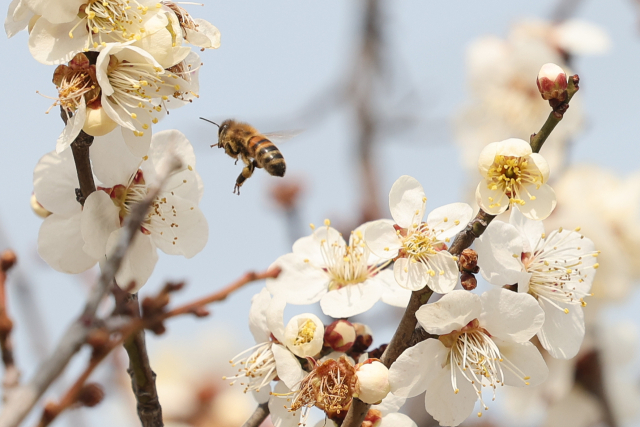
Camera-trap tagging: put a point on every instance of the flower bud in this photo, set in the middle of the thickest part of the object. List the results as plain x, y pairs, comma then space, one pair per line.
552, 82
37, 208
90, 395
364, 339
340, 335
468, 281
373, 381
98, 123
469, 261
372, 419
304, 335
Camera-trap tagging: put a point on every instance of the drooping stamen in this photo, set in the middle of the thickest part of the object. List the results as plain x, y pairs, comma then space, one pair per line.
258, 369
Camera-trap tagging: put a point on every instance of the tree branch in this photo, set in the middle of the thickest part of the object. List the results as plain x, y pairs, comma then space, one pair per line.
24, 398
259, 415
80, 148
11, 373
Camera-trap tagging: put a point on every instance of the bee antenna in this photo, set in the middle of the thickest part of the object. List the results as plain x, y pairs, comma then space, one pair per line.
207, 120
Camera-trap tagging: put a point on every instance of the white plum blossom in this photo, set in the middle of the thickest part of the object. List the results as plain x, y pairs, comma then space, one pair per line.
419, 248
484, 342
175, 223
556, 268
514, 176
18, 18
346, 279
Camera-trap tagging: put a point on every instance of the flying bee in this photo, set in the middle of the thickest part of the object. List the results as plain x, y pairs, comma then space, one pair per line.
243, 142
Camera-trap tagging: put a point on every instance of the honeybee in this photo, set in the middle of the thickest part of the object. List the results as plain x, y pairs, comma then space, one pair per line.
243, 142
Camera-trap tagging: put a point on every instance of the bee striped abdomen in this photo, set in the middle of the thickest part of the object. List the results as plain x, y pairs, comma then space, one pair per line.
267, 155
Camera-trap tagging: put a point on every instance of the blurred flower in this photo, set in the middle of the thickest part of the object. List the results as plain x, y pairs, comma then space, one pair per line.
420, 247
346, 279
556, 268
484, 341
196, 31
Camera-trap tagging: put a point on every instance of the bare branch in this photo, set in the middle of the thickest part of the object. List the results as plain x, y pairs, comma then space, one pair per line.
259, 415
80, 148
11, 373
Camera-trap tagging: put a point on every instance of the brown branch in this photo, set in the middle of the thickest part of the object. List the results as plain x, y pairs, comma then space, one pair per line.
24, 398
11, 373
143, 379
259, 415
80, 148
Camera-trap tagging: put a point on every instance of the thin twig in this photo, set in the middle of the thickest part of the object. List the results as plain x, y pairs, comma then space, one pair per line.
11, 373
80, 148
259, 415
22, 400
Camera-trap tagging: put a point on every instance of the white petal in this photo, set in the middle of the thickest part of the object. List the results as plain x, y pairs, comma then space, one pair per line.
450, 313
261, 396
446, 272
138, 145
392, 293
410, 275
543, 204
175, 142
287, 366
407, 201
54, 183
410, 374
499, 251
390, 404
510, 316
351, 299
491, 201
60, 244
307, 348
580, 37
445, 406
528, 362
280, 416
206, 36
538, 162
112, 163
138, 263
514, 147
258, 316
397, 420
56, 12
299, 282
50, 43
100, 217
17, 18
275, 317
73, 127
562, 333
185, 232
487, 157
449, 220
530, 231
310, 247
382, 240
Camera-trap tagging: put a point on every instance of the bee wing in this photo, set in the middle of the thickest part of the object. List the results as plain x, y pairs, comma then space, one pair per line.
281, 136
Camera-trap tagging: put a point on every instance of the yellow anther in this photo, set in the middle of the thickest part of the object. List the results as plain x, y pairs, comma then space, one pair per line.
578, 228
313, 227
145, 158
566, 311
134, 116
327, 222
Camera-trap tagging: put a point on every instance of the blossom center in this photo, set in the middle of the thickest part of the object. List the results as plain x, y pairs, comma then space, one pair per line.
118, 20
511, 175
258, 369
305, 333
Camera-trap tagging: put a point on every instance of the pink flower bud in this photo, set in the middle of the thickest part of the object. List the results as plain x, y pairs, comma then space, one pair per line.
364, 339
340, 335
373, 381
552, 82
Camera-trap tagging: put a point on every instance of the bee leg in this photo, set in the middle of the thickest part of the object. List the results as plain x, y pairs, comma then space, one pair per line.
247, 171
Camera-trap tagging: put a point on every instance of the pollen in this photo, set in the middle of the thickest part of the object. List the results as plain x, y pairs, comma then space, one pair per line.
306, 333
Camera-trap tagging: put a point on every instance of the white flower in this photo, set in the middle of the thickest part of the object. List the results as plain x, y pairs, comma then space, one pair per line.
373, 381
304, 335
346, 279
421, 247
484, 341
66, 27
174, 225
557, 269
514, 176
268, 359
18, 18
196, 31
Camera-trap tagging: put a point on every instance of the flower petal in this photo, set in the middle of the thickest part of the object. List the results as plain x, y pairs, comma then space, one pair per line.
527, 361
447, 221
72, 128
311, 247
299, 282
562, 333
258, 316
510, 316
138, 262
410, 275
445, 406
351, 299
275, 317
392, 293
397, 420
100, 217
543, 204
60, 244
50, 43
54, 183
185, 233
138, 145
530, 231
410, 374
540, 164
112, 162
280, 415
450, 313
446, 272
491, 201
499, 251
407, 201
206, 36
287, 366
382, 240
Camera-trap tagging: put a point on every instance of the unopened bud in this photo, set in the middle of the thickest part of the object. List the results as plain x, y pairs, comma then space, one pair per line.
340, 335
8, 259
468, 281
304, 335
37, 208
469, 261
98, 123
364, 338
372, 419
552, 82
90, 395
373, 381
